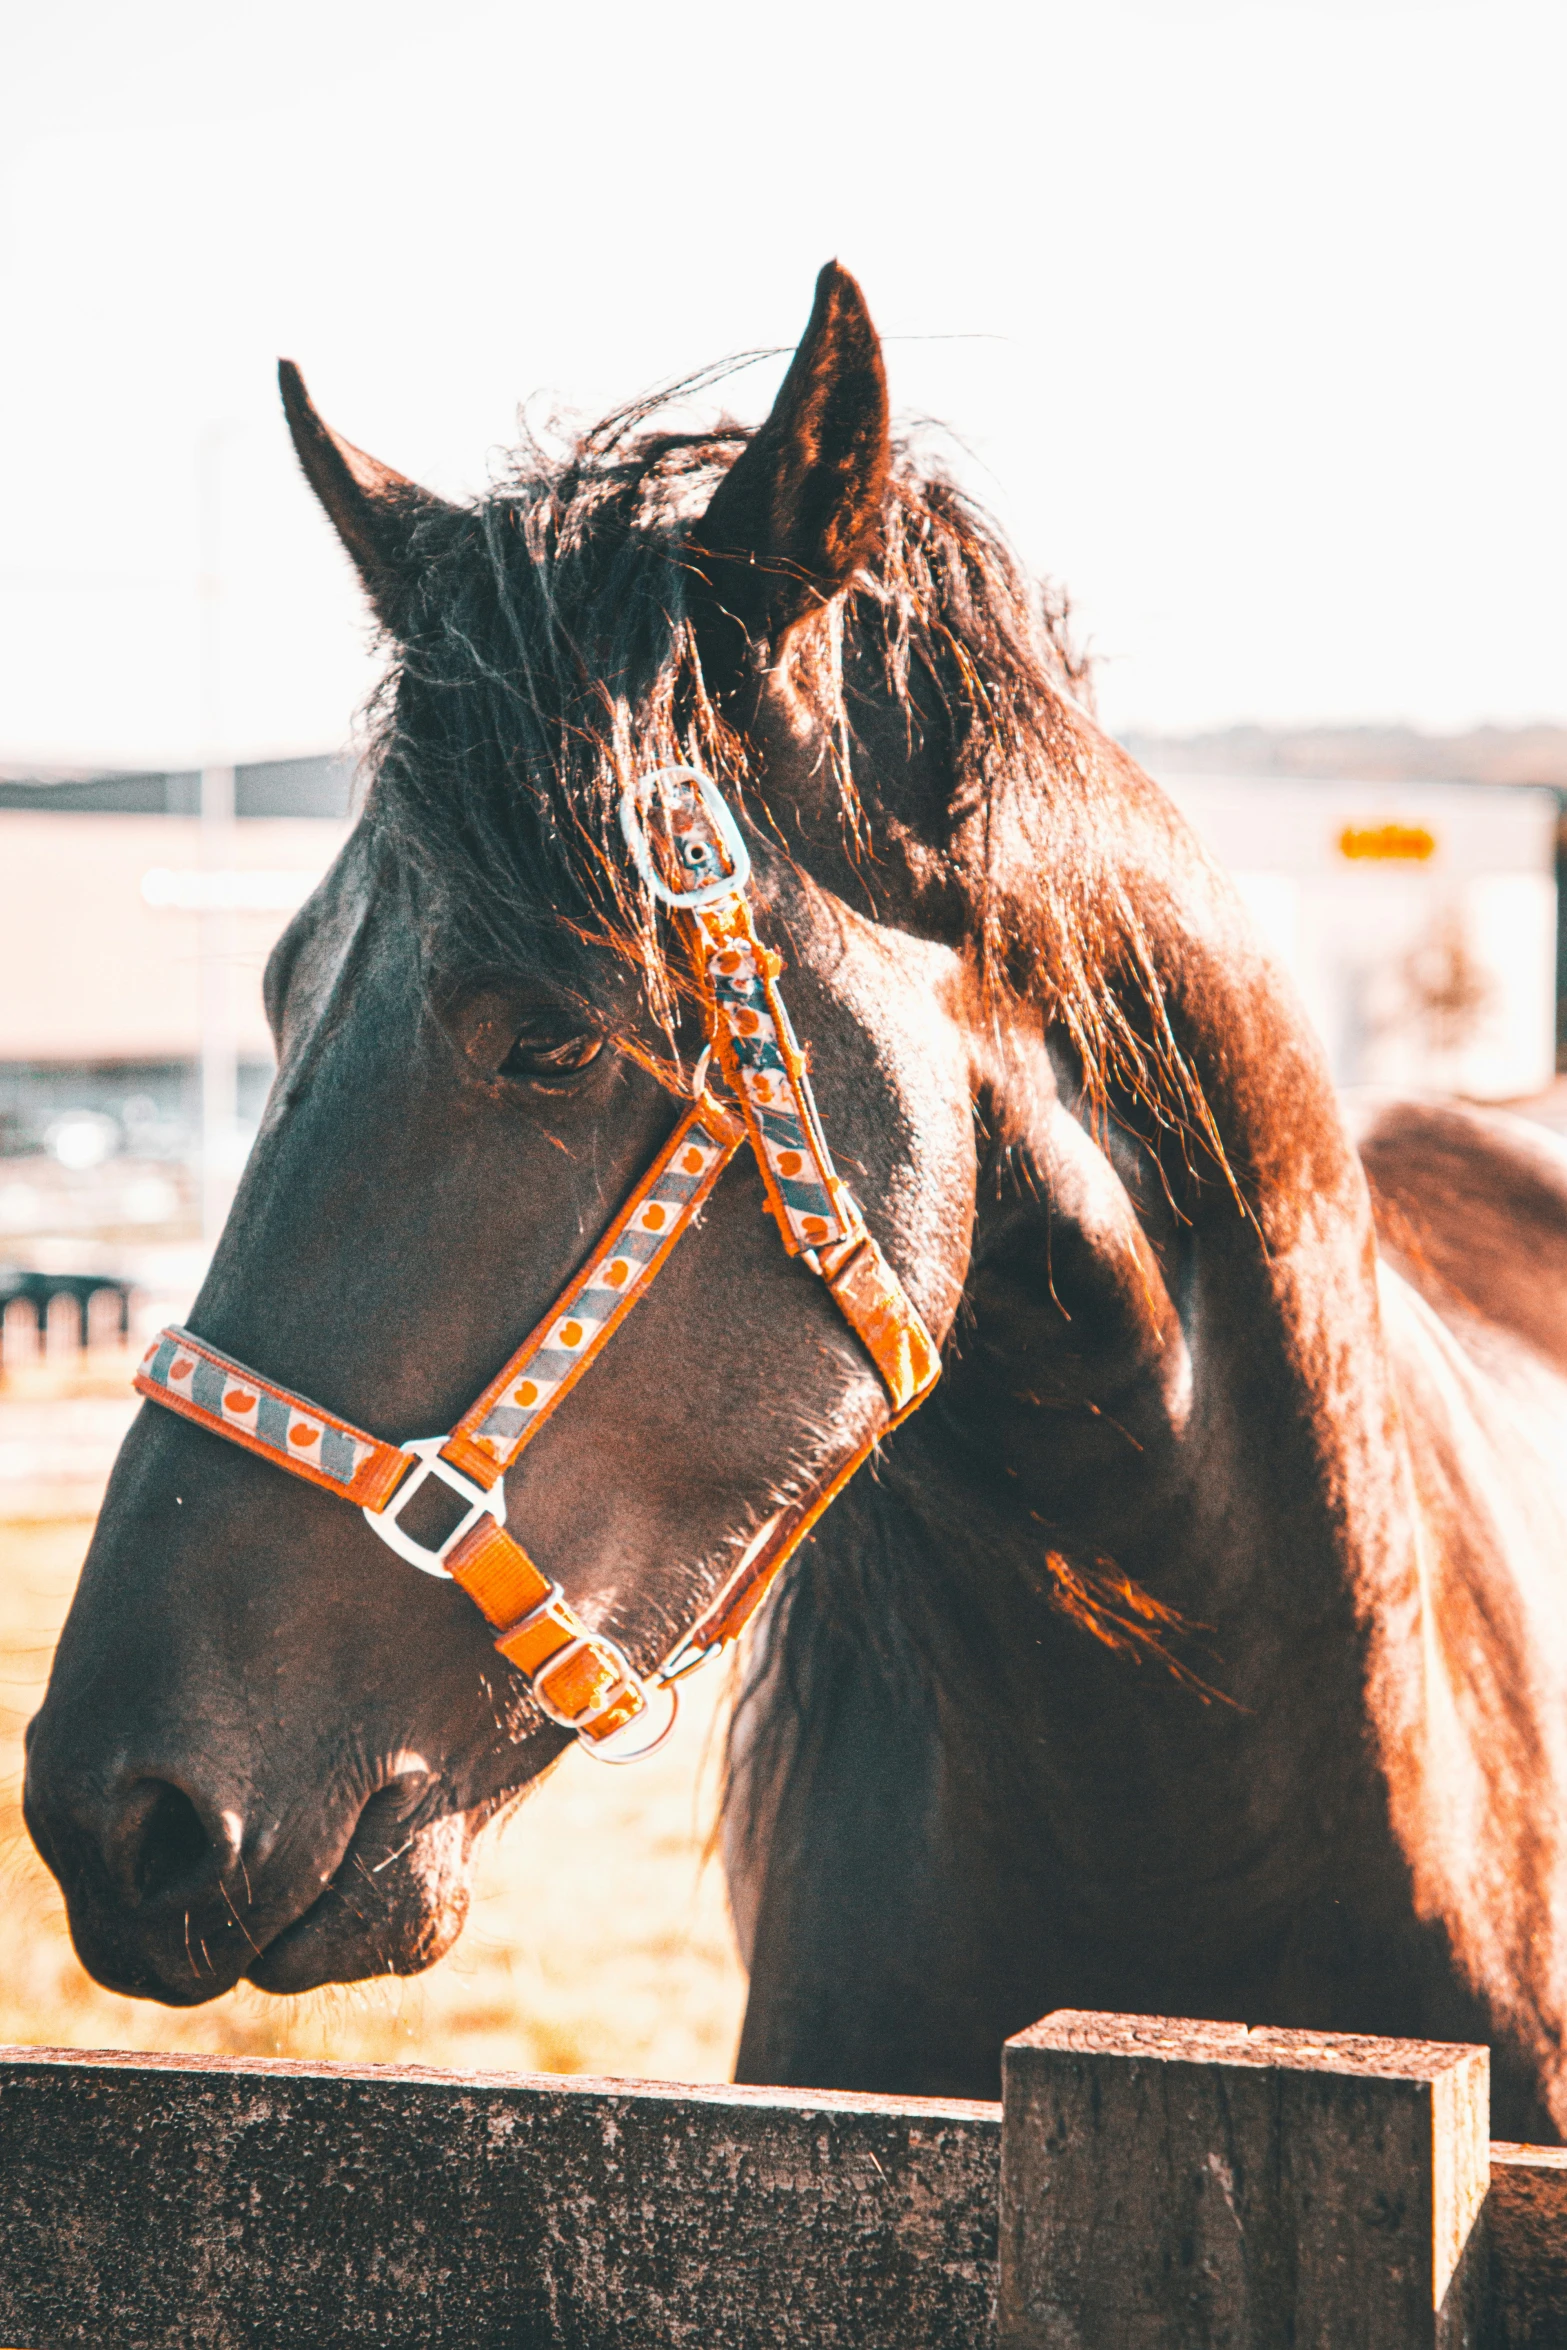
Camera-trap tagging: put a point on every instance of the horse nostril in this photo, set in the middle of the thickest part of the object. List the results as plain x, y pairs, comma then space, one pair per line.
173, 1843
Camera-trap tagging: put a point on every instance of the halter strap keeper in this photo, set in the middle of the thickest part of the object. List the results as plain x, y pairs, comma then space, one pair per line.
880, 1312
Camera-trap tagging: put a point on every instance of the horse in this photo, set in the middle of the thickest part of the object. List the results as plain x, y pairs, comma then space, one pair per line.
1198, 1648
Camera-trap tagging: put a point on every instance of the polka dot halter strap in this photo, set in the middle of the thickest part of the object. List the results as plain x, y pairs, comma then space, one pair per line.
691, 857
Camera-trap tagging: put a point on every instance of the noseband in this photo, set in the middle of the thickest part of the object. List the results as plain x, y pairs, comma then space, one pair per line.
688, 851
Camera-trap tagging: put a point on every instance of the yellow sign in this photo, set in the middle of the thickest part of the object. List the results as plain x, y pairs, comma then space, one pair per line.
1409, 842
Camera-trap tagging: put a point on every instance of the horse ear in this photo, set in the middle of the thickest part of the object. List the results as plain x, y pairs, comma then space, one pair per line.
375, 512
799, 509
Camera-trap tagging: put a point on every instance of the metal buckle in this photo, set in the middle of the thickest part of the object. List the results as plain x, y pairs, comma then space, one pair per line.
626, 1675
629, 1678
602, 1750
714, 807
427, 1451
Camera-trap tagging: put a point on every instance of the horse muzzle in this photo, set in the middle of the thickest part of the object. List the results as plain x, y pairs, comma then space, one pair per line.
174, 1894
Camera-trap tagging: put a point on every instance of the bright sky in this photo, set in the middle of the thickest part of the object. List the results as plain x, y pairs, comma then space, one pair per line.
1249, 316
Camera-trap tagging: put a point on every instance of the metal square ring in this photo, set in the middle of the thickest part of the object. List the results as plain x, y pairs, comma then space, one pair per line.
383, 1522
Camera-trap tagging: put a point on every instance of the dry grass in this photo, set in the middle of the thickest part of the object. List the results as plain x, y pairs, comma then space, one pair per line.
598, 1941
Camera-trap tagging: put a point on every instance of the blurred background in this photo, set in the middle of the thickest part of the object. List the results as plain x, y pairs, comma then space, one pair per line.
1246, 321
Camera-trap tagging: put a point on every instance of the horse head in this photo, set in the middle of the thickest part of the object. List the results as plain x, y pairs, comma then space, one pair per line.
268, 1744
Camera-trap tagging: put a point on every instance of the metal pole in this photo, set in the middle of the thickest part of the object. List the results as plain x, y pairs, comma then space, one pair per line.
219, 1059
219, 1056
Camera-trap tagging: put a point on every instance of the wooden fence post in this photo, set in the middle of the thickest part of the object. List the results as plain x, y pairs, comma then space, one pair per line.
1527, 2219
1196, 2186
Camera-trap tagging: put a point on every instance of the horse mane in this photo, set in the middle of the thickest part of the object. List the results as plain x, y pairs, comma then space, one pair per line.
552, 655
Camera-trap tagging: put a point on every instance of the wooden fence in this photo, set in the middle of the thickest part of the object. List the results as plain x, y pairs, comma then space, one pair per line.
1144, 2185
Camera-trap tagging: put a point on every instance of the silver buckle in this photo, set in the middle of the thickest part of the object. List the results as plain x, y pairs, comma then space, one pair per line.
702, 789
597, 1749
427, 1451
600, 1645
605, 1750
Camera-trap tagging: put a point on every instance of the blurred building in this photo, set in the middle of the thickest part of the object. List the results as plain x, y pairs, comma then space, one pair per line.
1372, 757
107, 884
1420, 920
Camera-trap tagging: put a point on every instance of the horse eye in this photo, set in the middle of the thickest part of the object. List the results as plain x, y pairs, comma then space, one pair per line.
546, 1056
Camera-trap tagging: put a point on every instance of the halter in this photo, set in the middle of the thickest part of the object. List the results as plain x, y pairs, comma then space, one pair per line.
688, 851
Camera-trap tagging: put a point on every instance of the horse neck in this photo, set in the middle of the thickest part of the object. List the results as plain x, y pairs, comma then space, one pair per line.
1190, 1403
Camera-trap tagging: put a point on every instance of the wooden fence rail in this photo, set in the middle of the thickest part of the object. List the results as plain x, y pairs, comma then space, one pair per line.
1145, 2185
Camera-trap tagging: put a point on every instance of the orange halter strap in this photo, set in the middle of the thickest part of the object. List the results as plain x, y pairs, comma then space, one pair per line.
692, 858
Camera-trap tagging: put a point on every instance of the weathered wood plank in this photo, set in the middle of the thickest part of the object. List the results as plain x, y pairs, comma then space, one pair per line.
1194, 2186
1527, 2215
166, 2203
154, 2201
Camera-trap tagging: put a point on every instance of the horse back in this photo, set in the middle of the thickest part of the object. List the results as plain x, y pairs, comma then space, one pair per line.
1471, 1207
